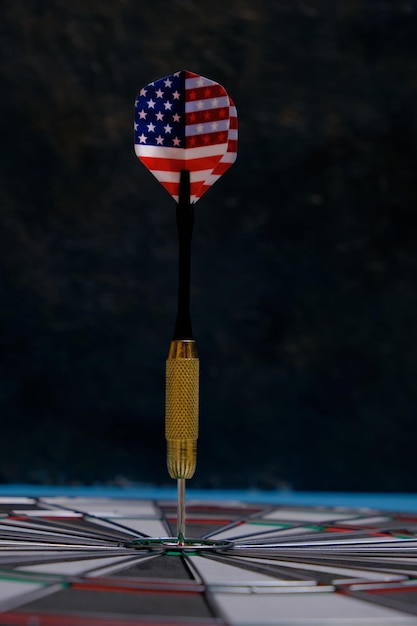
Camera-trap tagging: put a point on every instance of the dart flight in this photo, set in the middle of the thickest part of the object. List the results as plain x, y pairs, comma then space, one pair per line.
185, 122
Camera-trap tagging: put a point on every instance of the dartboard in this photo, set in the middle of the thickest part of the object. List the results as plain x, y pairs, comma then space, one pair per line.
110, 561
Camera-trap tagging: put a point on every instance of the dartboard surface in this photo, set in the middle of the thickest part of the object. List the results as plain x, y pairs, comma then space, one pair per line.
90, 562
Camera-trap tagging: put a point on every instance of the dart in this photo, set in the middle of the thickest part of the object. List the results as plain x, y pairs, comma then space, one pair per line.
186, 136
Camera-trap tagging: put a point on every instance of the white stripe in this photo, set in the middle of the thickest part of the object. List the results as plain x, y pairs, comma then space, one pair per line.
206, 127
198, 81
206, 103
229, 157
165, 177
181, 154
160, 152
200, 176
233, 133
211, 180
173, 177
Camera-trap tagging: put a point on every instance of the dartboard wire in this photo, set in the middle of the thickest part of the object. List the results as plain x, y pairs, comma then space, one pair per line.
327, 535
164, 519
388, 603
258, 514
215, 608
59, 528
117, 525
338, 533
330, 539
253, 512
373, 565
75, 538
208, 595
234, 557
66, 578
260, 518
321, 584
53, 537
342, 560
29, 596
328, 573
262, 534
42, 557
74, 533
45, 527
280, 573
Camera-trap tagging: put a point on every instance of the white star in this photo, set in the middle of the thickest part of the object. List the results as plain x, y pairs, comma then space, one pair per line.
142, 138
159, 93
142, 115
159, 116
136, 103
176, 95
177, 74
176, 117
200, 104
167, 128
215, 103
151, 104
167, 82
214, 126
200, 128
136, 126
200, 82
167, 105
143, 91
159, 140
151, 127
176, 141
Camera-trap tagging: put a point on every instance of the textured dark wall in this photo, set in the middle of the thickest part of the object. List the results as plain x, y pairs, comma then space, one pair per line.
305, 262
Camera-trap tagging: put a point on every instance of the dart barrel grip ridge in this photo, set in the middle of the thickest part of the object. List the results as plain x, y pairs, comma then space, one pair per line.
181, 407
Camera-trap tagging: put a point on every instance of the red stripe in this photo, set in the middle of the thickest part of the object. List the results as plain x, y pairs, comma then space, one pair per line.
120, 589
206, 139
221, 169
405, 518
172, 188
232, 145
392, 590
210, 115
146, 583
220, 522
23, 618
165, 165
201, 93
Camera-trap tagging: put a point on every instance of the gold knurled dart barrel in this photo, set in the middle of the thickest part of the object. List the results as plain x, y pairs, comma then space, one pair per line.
181, 407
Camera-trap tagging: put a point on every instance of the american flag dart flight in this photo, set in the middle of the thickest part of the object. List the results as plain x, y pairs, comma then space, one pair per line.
185, 122
186, 135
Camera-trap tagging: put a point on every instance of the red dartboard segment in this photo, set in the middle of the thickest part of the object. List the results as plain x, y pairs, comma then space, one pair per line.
185, 121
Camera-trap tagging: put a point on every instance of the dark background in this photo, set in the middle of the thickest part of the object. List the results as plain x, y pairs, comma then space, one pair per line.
304, 254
